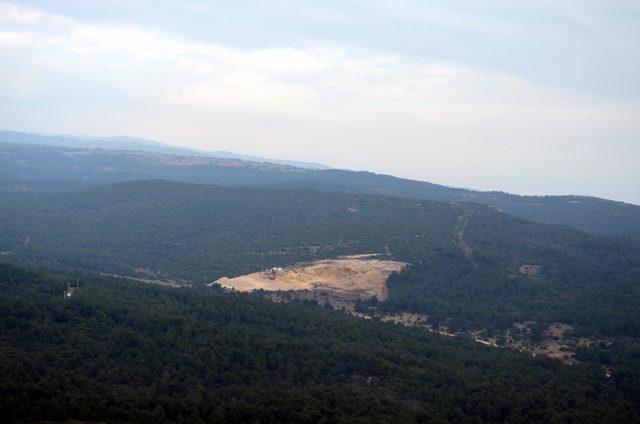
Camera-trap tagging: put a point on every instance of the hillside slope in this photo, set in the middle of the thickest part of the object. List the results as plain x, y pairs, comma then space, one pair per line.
465, 258
118, 351
24, 166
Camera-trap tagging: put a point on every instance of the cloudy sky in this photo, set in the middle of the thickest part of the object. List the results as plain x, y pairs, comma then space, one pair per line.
528, 96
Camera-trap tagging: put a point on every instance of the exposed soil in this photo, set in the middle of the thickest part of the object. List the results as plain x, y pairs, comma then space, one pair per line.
556, 341
160, 282
342, 282
348, 278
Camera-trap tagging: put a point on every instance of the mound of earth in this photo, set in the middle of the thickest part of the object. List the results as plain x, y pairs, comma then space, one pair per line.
349, 278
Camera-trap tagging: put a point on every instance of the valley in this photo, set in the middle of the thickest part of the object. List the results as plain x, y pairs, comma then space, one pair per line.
319, 212
160, 261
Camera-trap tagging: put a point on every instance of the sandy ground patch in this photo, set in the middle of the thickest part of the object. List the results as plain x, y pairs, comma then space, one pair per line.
159, 282
353, 277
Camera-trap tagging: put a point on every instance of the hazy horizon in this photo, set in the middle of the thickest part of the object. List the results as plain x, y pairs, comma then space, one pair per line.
286, 159
536, 97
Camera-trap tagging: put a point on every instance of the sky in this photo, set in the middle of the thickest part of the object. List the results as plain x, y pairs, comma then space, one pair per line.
524, 96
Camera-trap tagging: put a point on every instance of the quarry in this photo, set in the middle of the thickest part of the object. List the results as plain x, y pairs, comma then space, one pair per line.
346, 278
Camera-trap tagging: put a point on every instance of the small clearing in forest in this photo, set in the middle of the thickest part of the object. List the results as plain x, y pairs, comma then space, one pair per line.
349, 277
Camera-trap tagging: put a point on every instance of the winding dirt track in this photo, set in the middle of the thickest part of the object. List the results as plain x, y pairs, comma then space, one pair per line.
458, 234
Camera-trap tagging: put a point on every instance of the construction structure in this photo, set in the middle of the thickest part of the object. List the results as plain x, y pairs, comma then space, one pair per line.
272, 273
71, 290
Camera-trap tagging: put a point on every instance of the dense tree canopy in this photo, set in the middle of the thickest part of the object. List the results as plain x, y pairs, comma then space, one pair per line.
121, 351
201, 233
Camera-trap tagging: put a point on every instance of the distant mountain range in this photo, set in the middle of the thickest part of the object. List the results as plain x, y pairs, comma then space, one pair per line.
133, 143
27, 165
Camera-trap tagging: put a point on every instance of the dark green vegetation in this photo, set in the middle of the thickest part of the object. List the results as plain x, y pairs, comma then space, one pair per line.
120, 351
590, 282
24, 166
201, 233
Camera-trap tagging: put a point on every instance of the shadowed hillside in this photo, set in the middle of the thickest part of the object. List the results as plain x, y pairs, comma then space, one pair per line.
25, 166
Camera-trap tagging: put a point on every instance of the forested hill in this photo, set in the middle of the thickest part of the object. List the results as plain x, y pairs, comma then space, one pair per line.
136, 144
123, 352
465, 258
24, 166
